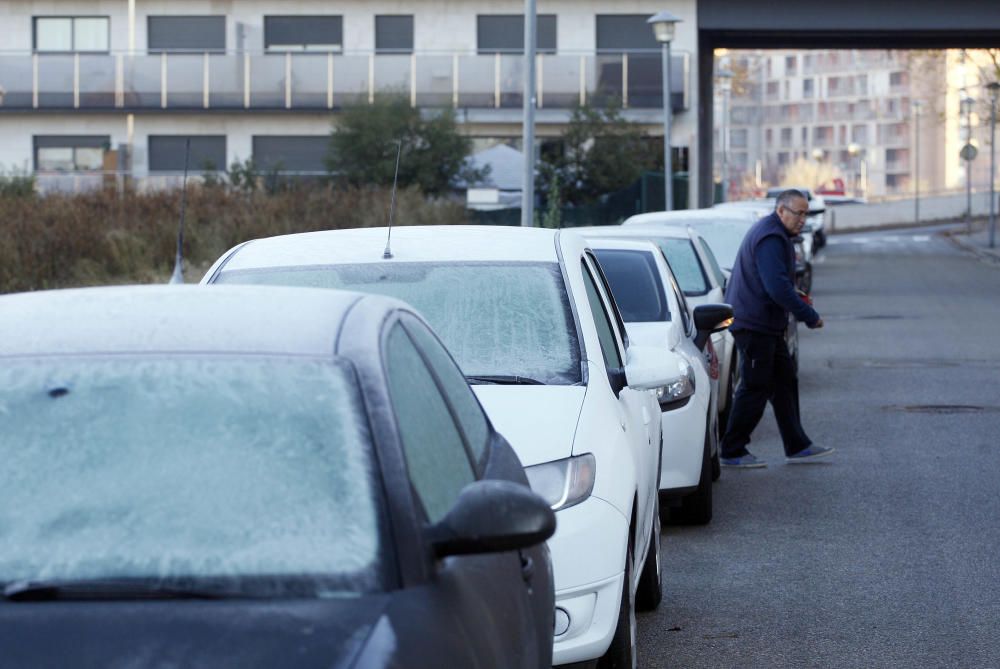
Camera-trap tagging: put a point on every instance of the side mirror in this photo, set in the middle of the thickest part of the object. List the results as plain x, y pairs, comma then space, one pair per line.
492, 516
709, 319
647, 368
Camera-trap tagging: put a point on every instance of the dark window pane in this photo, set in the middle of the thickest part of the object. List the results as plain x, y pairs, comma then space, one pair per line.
166, 153
505, 33
186, 33
304, 32
291, 153
394, 34
605, 330
635, 283
624, 32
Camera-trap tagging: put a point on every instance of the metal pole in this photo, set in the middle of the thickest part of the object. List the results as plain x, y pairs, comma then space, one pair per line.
528, 131
993, 171
668, 162
916, 165
968, 197
725, 143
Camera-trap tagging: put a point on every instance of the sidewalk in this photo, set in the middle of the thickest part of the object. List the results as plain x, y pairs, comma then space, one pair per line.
978, 242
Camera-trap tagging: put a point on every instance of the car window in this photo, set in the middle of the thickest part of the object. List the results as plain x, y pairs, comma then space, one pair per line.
463, 401
605, 329
679, 297
436, 457
495, 318
257, 472
724, 238
713, 264
635, 283
685, 264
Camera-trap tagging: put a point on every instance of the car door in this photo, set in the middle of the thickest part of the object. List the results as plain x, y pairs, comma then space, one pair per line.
642, 421
445, 439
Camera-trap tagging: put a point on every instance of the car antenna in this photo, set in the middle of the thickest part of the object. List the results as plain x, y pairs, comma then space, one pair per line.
387, 254
178, 276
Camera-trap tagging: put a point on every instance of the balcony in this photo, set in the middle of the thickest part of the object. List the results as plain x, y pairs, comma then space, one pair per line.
139, 82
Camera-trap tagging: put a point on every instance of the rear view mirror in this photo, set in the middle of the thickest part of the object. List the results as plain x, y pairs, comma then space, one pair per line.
492, 516
647, 368
711, 318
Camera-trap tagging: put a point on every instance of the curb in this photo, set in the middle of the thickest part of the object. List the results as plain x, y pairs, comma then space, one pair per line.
959, 239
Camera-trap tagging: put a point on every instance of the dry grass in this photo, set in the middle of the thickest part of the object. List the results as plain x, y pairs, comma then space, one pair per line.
107, 237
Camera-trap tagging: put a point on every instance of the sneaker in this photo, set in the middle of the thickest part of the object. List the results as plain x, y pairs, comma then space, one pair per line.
810, 454
747, 461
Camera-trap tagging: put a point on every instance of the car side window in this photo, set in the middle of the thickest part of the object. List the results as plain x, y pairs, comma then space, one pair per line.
436, 456
679, 296
713, 264
605, 329
463, 401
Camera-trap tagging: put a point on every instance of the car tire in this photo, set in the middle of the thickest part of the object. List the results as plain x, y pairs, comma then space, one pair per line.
650, 590
621, 653
696, 508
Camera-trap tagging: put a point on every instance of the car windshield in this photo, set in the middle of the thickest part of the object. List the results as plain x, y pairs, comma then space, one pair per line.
253, 473
635, 283
685, 264
496, 318
724, 238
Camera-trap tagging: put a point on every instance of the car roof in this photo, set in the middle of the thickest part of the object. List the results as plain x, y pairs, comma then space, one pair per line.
671, 230
176, 319
433, 243
684, 216
619, 244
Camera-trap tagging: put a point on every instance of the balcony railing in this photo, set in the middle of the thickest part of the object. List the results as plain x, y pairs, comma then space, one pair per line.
317, 81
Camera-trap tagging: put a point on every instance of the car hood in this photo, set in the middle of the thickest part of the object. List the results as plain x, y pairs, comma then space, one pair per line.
231, 633
538, 421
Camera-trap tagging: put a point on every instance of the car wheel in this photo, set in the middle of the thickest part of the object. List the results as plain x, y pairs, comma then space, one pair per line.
650, 590
621, 653
696, 508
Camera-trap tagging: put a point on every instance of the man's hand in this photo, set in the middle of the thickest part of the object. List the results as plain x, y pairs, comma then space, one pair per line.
817, 325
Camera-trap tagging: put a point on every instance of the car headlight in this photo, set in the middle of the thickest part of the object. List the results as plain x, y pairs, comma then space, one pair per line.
563, 483
677, 391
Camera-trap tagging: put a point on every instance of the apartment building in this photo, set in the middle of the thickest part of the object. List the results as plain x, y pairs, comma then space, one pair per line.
96, 86
853, 110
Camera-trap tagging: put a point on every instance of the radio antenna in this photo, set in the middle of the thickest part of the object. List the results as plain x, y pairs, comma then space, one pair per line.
387, 254
178, 276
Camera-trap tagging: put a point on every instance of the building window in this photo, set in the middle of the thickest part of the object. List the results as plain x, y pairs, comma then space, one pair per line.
624, 32
738, 138
899, 78
167, 153
291, 153
808, 90
786, 137
85, 34
504, 33
772, 89
394, 34
790, 66
70, 153
304, 33
186, 33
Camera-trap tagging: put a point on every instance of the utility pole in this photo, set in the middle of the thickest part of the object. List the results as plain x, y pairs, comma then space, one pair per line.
917, 104
528, 130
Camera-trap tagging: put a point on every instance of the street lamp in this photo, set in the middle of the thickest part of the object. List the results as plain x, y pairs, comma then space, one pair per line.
725, 85
917, 106
968, 154
854, 151
993, 87
663, 30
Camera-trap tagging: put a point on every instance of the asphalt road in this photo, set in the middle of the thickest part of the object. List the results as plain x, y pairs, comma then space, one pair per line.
889, 554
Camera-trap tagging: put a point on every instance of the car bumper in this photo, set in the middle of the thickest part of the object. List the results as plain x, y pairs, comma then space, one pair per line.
683, 447
588, 552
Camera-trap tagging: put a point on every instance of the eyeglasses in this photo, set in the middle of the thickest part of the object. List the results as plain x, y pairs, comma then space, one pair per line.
796, 214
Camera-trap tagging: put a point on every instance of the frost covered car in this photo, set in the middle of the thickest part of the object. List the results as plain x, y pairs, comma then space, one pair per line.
655, 313
529, 317
256, 477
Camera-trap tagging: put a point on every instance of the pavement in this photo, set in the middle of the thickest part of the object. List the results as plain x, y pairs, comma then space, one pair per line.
978, 241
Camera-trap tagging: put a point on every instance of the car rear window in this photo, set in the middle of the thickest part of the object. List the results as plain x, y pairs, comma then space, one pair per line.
635, 283
685, 264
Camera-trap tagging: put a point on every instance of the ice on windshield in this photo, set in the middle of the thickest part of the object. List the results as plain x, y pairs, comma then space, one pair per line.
503, 319
685, 265
197, 467
725, 239
635, 284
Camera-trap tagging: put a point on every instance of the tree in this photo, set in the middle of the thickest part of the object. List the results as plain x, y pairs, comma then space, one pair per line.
433, 154
805, 173
602, 153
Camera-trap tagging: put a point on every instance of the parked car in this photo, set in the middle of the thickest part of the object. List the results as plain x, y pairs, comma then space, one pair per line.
655, 313
701, 280
531, 321
262, 477
816, 221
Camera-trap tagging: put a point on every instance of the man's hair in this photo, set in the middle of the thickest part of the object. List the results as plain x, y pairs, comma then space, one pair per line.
785, 197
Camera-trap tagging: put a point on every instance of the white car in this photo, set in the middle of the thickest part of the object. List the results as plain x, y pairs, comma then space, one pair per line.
655, 313
529, 317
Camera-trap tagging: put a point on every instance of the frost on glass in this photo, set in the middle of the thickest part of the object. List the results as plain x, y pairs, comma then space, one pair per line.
495, 318
685, 265
174, 468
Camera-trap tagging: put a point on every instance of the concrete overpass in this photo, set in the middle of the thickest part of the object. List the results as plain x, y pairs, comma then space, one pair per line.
829, 24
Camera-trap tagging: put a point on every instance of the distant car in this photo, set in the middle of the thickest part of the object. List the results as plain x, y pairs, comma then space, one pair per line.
530, 318
239, 477
655, 313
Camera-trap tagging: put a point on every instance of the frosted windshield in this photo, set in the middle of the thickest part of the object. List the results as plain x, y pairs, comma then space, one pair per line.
250, 471
497, 319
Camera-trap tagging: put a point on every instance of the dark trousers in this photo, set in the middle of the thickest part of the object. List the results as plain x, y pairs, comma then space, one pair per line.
767, 374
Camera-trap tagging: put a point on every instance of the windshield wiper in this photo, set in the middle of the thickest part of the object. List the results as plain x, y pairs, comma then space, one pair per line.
504, 380
91, 589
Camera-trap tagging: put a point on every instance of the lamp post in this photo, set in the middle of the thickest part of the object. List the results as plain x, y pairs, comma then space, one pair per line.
968, 153
917, 105
663, 30
993, 87
726, 86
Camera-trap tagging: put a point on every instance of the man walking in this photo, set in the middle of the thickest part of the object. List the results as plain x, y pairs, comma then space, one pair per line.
762, 293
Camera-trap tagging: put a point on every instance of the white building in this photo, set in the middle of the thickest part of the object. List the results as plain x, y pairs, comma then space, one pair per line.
120, 85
